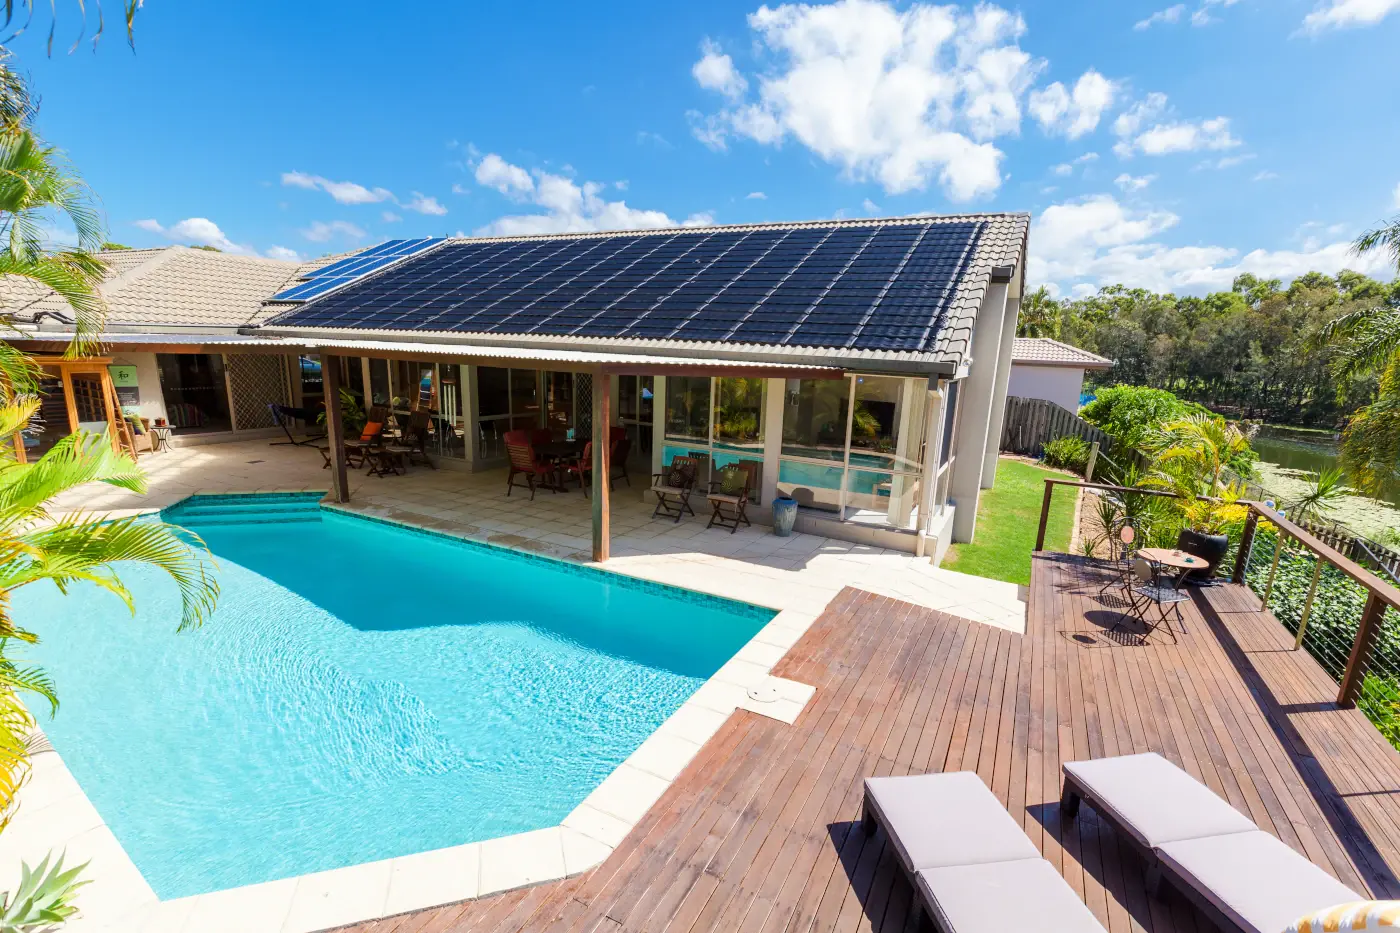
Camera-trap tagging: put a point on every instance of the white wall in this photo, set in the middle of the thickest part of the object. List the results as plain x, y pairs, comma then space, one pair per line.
148, 382
1058, 384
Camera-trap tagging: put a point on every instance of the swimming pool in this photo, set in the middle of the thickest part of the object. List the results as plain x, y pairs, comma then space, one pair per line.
363, 691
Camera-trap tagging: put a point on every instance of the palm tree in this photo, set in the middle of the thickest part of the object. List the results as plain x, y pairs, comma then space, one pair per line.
1041, 315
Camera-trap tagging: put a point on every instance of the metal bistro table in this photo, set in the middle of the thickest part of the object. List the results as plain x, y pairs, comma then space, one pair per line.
160, 438
1176, 559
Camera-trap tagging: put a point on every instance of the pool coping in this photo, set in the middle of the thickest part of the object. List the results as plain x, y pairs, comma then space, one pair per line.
122, 900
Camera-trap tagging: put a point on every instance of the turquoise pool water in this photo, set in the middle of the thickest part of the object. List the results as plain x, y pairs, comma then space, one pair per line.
363, 691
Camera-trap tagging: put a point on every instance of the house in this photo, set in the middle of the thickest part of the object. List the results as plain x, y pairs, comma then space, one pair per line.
860, 367
1054, 371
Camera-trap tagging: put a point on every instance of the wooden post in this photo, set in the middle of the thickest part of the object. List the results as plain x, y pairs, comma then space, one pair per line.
335, 429
1044, 514
67, 379
1246, 547
1093, 462
1308, 604
1355, 674
602, 464
18, 441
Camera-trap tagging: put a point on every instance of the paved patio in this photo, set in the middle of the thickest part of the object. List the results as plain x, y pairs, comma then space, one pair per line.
801, 573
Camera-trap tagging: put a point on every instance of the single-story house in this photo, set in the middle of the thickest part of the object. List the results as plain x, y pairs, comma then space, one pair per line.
1054, 371
860, 367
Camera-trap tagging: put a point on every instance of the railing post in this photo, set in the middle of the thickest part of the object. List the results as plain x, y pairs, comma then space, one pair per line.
1246, 546
1044, 514
1273, 569
1308, 604
1355, 674
1093, 462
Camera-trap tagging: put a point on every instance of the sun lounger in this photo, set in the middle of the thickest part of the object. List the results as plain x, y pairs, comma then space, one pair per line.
974, 868
1239, 876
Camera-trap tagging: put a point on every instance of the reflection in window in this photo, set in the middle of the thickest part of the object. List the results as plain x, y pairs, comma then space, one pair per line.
688, 407
559, 400
739, 412
492, 391
379, 382
525, 397
814, 418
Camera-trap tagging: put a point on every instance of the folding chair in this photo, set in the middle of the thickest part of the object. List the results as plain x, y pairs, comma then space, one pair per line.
729, 498
1123, 561
1150, 590
673, 487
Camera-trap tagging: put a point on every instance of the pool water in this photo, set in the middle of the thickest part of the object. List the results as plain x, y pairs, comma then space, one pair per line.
363, 691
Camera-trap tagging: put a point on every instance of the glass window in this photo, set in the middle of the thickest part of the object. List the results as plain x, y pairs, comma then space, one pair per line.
688, 407
876, 422
379, 382
196, 395
559, 400
492, 391
813, 486
627, 397
739, 412
814, 419
449, 426
646, 397
950, 423
352, 376
525, 397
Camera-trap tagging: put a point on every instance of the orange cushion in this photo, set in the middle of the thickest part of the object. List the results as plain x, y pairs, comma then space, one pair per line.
371, 429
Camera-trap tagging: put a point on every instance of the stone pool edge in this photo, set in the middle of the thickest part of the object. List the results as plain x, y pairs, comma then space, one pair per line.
119, 900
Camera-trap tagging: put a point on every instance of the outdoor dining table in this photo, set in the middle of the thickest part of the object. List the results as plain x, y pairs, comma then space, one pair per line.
1174, 558
560, 452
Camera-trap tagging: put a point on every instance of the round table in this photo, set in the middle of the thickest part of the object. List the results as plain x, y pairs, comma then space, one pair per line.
1171, 557
560, 450
160, 438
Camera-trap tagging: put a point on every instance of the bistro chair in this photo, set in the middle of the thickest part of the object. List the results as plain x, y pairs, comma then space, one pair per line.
1151, 590
523, 461
729, 497
1122, 566
673, 487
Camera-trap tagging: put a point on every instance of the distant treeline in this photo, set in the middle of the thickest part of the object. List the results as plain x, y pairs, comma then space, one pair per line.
1253, 352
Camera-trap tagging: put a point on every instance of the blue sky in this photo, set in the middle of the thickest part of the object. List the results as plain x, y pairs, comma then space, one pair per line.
1169, 146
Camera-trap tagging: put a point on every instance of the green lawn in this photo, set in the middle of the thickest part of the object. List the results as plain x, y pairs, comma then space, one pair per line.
1007, 519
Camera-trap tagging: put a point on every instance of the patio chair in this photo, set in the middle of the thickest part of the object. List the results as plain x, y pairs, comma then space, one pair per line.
523, 461
582, 467
415, 439
729, 498
1122, 561
282, 416
673, 487
357, 451
1151, 590
966, 856
621, 449
1239, 876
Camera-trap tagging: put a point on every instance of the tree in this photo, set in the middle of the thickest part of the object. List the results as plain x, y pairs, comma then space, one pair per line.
1040, 315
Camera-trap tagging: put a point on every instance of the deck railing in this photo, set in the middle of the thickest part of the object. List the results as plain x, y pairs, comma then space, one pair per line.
1345, 616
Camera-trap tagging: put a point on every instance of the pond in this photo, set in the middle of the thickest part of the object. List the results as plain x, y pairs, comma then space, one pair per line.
1285, 450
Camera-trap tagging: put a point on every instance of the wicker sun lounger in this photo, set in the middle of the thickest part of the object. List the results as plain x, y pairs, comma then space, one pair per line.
1239, 876
975, 870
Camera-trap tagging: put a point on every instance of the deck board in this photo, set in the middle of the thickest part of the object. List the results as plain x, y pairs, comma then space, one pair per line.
758, 835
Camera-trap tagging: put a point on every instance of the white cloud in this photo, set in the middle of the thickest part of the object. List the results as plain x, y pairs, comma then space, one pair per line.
568, 207
321, 231
647, 137
1067, 168
869, 206
1084, 244
1342, 14
906, 97
755, 196
389, 217
1131, 183
1267, 175
282, 252
1171, 14
715, 71
344, 192
195, 231
1147, 127
1063, 169
1073, 113
699, 219
510, 180
423, 204
459, 188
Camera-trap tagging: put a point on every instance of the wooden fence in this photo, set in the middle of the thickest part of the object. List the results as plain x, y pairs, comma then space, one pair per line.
1031, 423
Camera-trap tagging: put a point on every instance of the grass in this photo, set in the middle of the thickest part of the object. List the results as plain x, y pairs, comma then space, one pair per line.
1007, 520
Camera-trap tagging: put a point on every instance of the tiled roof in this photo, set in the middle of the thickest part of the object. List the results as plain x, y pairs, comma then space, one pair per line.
893, 289
174, 286
1042, 351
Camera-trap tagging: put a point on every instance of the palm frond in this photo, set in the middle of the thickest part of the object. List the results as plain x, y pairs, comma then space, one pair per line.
77, 459
14, 418
1385, 237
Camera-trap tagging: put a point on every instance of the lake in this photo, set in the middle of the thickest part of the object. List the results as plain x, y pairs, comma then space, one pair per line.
1310, 451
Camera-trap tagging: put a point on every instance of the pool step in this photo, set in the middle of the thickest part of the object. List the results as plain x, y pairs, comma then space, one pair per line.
245, 510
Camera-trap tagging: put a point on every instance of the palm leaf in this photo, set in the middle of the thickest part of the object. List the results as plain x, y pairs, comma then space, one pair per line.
73, 461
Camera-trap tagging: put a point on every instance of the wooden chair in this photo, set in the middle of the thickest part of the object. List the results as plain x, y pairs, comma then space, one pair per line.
415, 440
729, 497
357, 451
523, 461
582, 468
621, 448
673, 487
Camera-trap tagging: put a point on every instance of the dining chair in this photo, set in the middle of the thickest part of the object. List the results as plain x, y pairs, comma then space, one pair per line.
524, 462
1149, 590
1122, 561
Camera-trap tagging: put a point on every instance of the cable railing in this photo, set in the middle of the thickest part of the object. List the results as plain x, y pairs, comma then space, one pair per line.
1346, 617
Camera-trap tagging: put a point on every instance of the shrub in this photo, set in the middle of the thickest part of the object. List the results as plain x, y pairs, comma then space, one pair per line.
1132, 414
1067, 453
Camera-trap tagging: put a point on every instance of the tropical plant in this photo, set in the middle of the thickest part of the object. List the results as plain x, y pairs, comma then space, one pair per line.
1193, 455
128, 8
1041, 315
1327, 490
1386, 237
1133, 415
43, 899
1067, 453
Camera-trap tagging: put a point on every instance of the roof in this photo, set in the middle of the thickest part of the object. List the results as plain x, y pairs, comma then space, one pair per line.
1042, 351
895, 289
174, 286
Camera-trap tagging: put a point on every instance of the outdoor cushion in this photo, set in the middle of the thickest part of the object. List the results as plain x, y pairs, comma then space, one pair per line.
732, 482
678, 477
1253, 878
1154, 801
936, 820
1357, 915
1027, 894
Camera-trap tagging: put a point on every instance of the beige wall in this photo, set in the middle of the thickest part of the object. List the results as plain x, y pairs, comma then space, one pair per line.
148, 378
1058, 384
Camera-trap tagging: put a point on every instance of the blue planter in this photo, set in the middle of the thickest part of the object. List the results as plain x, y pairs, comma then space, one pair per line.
784, 514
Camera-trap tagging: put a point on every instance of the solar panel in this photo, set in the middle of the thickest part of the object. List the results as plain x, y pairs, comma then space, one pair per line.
342, 271
875, 286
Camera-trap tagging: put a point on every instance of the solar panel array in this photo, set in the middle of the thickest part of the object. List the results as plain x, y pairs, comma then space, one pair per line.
878, 286
341, 272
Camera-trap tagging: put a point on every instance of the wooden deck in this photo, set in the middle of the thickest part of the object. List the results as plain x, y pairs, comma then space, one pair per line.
760, 833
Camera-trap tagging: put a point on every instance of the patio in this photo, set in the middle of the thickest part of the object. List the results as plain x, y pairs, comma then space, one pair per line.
759, 832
